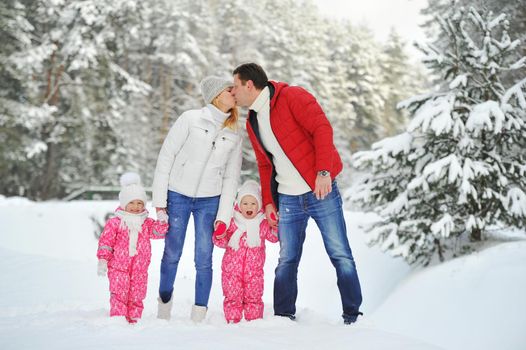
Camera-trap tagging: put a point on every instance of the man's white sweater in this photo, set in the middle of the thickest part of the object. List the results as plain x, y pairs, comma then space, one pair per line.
289, 179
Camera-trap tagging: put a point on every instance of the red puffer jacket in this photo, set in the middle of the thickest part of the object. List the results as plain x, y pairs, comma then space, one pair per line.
304, 133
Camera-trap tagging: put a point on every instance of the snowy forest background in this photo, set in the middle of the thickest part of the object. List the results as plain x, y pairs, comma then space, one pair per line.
433, 146
89, 89
84, 81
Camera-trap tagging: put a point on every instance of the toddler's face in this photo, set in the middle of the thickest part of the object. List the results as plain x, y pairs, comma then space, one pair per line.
249, 206
136, 206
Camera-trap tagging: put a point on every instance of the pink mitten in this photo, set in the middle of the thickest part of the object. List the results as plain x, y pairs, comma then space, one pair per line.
221, 228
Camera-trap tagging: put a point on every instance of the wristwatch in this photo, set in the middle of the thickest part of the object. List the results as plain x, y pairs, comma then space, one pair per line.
324, 173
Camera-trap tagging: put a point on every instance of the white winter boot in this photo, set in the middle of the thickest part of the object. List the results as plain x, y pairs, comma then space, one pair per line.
164, 310
198, 313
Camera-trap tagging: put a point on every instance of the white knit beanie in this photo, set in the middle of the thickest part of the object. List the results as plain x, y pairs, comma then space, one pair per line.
212, 86
131, 189
250, 187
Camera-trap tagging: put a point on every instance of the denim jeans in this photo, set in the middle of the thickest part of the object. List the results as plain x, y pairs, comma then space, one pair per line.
328, 214
179, 209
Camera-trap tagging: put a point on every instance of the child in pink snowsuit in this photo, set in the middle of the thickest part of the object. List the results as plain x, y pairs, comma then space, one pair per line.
242, 266
124, 249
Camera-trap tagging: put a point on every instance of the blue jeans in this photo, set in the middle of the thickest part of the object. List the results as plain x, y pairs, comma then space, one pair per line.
179, 209
294, 213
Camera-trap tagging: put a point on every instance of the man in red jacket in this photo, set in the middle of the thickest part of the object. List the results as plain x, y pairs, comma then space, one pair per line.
297, 161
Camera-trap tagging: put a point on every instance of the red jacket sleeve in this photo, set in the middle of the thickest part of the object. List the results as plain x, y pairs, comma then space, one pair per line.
309, 114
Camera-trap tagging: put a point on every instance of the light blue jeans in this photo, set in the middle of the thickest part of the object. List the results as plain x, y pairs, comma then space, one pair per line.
179, 209
328, 214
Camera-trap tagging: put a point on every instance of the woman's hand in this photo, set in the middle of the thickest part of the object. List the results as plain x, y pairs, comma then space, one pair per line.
161, 214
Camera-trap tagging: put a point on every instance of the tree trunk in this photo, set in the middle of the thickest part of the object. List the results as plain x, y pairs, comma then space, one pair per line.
440, 250
52, 97
49, 173
476, 235
166, 79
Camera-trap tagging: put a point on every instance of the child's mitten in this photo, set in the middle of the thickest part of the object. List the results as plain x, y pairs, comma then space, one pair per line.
102, 267
162, 216
221, 228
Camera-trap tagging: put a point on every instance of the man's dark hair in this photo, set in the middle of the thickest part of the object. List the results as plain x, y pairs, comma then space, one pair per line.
254, 72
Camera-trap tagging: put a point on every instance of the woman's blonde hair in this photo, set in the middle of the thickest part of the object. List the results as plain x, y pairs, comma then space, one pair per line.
231, 121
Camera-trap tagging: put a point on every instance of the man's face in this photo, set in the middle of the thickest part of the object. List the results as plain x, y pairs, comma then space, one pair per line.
242, 92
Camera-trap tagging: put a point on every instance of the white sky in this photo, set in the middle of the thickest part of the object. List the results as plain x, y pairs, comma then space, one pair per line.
380, 16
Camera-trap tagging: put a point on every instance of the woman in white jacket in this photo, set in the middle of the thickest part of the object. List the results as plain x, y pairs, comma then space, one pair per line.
197, 173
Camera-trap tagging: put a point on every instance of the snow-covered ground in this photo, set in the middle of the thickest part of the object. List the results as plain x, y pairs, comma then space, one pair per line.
51, 297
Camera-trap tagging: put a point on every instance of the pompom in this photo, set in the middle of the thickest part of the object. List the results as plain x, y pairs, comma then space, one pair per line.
130, 178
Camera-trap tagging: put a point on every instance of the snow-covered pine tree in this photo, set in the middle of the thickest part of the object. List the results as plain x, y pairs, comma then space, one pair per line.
67, 70
357, 89
17, 112
513, 8
73, 72
402, 79
459, 169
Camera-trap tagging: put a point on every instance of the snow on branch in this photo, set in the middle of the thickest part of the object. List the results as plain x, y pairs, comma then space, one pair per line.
412, 100
515, 202
517, 91
460, 80
519, 64
481, 114
496, 21
444, 226
132, 84
434, 114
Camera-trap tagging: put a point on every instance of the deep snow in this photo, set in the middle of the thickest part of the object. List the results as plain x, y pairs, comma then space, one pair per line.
51, 297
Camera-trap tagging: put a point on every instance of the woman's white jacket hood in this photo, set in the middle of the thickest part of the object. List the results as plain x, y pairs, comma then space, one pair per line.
199, 160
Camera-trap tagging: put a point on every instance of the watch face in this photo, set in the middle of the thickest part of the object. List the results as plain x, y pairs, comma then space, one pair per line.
324, 173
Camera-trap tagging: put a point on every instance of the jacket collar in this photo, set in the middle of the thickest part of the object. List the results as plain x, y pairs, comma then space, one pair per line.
207, 116
262, 100
275, 88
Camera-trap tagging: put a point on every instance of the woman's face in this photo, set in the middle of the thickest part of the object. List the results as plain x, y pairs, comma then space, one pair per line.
225, 99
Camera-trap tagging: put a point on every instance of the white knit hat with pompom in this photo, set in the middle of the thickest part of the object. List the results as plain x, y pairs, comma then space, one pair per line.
131, 189
250, 187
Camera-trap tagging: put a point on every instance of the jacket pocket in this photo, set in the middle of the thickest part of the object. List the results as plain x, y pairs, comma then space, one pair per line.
224, 146
200, 133
178, 166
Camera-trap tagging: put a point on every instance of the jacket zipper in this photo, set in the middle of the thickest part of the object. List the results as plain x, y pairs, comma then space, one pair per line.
243, 285
206, 163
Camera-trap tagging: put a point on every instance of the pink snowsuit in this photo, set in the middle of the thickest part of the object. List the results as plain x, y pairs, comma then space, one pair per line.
242, 273
128, 275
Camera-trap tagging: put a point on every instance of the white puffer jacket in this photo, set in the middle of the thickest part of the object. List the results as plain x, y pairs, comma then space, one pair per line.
198, 160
